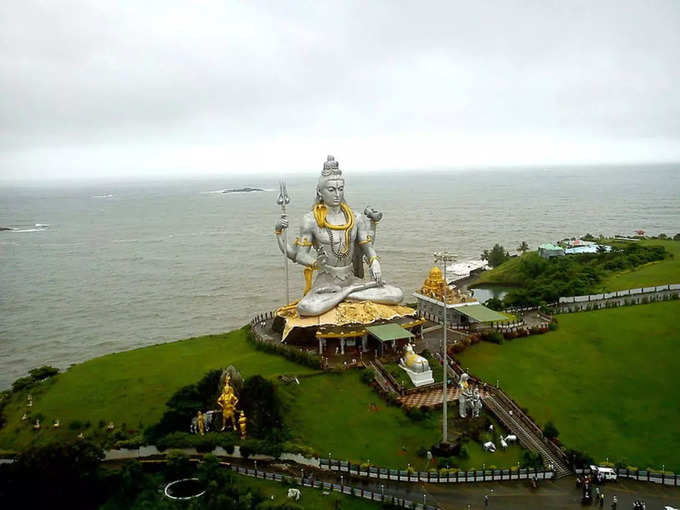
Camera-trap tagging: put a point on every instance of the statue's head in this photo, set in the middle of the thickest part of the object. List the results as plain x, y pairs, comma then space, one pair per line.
331, 187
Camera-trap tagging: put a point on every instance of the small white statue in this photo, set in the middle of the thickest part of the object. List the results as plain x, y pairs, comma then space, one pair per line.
294, 494
477, 403
417, 367
414, 361
489, 446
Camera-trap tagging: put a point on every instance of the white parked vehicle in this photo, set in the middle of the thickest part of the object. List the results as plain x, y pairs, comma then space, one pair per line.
603, 473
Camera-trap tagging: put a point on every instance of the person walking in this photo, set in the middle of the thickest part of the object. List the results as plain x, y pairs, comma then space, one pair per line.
614, 502
486, 500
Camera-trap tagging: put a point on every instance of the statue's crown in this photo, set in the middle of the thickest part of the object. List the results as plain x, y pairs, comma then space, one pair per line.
330, 167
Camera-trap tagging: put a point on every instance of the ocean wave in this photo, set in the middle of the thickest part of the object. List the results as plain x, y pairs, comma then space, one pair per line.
103, 196
41, 225
24, 230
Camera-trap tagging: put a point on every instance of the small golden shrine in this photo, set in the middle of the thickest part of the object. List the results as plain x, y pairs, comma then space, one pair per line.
436, 288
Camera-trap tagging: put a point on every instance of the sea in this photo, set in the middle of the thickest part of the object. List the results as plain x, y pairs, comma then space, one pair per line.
90, 268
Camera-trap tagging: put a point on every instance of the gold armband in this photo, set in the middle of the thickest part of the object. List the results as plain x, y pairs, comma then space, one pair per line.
277, 232
302, 242
367, 240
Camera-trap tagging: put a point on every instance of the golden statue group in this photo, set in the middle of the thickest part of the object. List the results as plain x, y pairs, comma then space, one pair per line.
227, 402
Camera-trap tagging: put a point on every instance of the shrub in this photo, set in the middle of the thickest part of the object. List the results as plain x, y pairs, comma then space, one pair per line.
463, 452
553, 326
75, 425
579, 459
262, 406
38, 374
367, 375
416, 414
205, 444
531, 459
421, 451
550, 431
22, 383
177, 466
494, 337
134, 442
296, 355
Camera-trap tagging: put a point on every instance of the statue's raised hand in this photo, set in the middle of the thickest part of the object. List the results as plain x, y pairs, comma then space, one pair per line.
373, 214
282, 224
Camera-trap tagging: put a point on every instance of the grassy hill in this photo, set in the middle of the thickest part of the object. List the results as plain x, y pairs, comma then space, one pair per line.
607, 379
132, 387
328, 412
654, 273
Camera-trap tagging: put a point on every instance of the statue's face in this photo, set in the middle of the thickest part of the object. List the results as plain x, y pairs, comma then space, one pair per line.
332, 191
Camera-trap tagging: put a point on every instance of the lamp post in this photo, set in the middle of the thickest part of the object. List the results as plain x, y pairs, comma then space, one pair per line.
443, 258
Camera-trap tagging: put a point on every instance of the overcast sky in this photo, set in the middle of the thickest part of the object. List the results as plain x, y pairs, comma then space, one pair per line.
102, 89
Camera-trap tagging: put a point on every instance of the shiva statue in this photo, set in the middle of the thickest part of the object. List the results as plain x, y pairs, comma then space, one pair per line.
342, 241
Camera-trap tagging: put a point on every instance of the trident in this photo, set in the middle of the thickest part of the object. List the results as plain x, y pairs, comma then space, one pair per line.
283, 200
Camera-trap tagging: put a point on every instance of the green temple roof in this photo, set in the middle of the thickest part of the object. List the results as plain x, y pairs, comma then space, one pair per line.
389, 332
481, 313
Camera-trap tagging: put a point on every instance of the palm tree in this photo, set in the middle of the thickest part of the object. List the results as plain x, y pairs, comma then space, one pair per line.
523, 247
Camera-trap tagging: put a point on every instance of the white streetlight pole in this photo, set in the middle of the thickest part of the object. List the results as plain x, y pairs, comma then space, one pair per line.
444, 258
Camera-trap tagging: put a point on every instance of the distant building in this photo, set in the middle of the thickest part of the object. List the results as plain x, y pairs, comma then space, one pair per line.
465, 269
548, 251
591, 248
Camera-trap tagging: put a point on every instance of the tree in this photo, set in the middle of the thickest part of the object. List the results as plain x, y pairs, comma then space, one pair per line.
676, 237
531, 459
57, 472
523, 247
262, 406
494, 303
496, 256
550, 431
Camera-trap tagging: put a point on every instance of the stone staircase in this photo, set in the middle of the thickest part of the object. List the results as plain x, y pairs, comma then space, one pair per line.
526, 434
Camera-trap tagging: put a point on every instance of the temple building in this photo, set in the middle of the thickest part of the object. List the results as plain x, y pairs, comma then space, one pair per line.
461, 309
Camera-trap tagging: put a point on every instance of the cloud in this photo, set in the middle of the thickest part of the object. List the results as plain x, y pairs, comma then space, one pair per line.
127, 88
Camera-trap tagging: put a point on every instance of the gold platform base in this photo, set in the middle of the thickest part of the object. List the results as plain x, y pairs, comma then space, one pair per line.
346, 313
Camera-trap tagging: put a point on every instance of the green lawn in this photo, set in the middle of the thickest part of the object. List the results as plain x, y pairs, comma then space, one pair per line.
132, 387
332, 413
607, 379
654, 273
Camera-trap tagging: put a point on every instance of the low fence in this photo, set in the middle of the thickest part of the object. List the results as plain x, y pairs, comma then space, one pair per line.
642, 475
637, 296
487, 475
263, 317
359, 492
